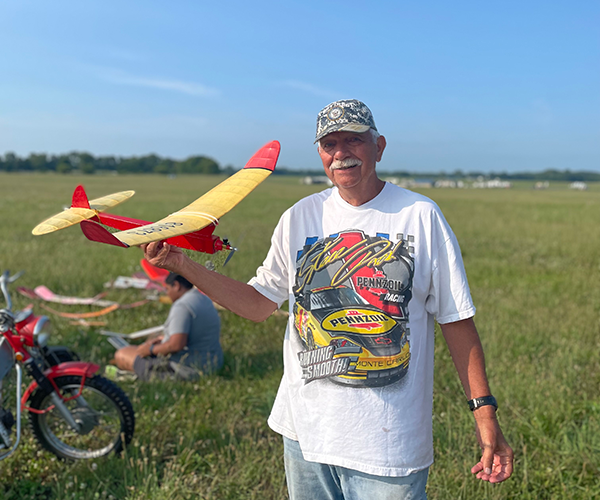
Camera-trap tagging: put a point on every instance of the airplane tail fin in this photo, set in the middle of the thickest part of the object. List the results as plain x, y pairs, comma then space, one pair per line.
80, 199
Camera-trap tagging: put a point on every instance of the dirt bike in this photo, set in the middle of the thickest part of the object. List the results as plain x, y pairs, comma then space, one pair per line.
73, 412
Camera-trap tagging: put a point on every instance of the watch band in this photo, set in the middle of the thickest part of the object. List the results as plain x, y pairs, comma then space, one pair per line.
484, 401
151, 349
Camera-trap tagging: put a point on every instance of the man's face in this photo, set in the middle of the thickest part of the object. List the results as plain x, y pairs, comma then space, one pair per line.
349, 159
174, 291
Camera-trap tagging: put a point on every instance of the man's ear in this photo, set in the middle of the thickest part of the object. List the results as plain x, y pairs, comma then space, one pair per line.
381, 144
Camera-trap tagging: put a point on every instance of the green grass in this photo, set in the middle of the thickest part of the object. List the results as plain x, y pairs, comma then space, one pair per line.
533, 263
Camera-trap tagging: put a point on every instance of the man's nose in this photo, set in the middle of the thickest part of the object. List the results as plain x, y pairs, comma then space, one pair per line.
341, 151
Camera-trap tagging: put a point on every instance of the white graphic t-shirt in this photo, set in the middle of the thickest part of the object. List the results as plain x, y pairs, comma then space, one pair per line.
364, 285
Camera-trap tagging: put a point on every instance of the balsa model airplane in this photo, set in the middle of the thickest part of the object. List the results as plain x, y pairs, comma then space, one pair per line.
191, 227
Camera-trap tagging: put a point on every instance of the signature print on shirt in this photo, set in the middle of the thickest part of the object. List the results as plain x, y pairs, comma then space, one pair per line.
351, 308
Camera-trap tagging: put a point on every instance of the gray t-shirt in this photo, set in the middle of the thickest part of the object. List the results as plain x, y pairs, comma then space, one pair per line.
194, 314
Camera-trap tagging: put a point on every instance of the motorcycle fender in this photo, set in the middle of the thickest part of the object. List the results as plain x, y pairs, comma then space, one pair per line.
79, 368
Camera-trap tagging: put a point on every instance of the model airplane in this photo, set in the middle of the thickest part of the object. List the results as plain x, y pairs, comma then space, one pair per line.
191, 227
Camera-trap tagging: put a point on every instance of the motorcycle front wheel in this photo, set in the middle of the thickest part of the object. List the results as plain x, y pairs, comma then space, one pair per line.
103, 412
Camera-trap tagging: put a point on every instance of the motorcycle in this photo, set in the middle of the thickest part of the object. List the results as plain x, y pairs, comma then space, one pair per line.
73, 412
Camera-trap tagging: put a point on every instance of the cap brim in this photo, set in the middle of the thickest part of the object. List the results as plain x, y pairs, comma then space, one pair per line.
348, 127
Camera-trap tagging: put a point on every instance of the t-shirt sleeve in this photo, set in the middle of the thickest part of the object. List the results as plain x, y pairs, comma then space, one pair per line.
271, 278
180, 320
449, 297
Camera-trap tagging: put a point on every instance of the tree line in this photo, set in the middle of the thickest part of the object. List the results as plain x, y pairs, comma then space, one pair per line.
86, 163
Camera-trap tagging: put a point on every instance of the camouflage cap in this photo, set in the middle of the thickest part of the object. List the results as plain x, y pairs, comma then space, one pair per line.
347, 115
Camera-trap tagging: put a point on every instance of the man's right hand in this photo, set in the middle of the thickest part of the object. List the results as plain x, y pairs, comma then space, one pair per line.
163, 255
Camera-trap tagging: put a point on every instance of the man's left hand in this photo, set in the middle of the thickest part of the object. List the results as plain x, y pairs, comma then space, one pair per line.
496, 462
143, 350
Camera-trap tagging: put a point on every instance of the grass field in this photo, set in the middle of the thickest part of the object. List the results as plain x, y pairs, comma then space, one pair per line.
533, 261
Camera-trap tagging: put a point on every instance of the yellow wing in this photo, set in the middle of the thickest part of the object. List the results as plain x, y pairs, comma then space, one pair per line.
111, 200
77, 214
64, 219
209, 208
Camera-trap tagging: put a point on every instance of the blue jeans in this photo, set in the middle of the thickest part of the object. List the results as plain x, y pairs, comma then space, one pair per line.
315, 481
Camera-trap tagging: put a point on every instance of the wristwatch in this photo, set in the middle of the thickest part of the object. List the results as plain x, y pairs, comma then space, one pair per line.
484, 401
151, 349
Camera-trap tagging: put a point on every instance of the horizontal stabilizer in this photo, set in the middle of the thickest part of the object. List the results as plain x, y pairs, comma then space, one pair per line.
80, 210
95, 232
62, 220
110, 200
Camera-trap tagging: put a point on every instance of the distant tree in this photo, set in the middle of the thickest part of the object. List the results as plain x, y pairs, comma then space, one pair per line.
86, 167
64, 167
197, 165
38, 162
105, 163
165, 166
129, 165
74, 159
229, 170
11, 162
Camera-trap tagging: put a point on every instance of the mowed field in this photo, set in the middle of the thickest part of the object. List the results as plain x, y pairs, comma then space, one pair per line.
533, 262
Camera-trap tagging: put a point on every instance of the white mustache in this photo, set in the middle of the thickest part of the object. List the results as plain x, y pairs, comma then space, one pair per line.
348, 162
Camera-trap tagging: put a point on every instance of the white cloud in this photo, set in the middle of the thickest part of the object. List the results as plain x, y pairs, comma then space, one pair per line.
119, 77
308, 88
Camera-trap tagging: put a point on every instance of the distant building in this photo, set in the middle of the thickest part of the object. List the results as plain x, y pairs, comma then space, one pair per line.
411, 183
449, 183
496, 183
579, 186
316, 179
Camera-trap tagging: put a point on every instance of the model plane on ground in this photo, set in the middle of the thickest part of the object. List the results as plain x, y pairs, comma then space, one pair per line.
191, 227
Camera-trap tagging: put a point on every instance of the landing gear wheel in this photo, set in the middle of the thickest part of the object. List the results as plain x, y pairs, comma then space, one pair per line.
103, 412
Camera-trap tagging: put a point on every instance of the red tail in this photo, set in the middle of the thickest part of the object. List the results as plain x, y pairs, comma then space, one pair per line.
80, 199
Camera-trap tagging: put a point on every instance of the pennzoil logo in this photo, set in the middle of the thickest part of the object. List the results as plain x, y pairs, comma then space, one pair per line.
358, 321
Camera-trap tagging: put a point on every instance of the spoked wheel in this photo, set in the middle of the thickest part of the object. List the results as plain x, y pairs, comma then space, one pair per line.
103, 412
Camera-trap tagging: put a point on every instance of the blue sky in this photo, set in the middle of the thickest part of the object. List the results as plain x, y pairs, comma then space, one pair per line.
489, 86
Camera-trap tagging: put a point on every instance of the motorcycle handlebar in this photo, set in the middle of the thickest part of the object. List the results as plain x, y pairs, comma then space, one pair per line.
5, 279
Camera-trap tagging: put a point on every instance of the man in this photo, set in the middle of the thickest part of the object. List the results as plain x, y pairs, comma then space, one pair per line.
191, 336
366, 266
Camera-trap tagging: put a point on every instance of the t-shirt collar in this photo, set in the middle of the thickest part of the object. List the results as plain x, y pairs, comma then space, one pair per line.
365, 206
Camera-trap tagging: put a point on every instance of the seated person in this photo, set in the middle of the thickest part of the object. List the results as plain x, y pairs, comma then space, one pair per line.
191, 335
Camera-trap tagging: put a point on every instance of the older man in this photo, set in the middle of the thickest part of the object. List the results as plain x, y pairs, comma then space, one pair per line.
366, 267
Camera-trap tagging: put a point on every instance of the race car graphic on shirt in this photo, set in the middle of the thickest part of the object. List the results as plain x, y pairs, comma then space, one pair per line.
362, 343
351, 309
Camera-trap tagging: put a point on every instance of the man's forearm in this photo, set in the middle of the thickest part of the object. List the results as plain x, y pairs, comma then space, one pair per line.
467, 353
240, 298
176, 343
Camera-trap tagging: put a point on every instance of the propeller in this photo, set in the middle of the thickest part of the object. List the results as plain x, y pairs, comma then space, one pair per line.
231, 252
